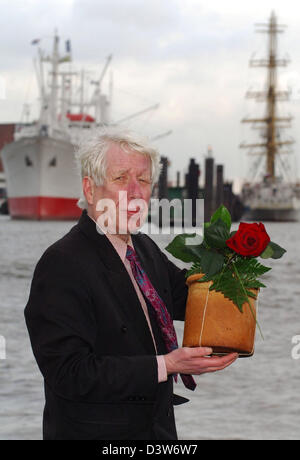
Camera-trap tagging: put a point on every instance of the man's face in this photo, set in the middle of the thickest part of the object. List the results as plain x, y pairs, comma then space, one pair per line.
128, 179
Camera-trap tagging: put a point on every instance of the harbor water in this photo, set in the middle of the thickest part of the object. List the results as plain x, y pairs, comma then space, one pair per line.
256, 398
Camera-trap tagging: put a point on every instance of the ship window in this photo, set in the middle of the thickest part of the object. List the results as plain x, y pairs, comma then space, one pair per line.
44, 130
28, 161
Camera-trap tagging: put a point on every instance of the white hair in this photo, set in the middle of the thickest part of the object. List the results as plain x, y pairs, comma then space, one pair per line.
91, 154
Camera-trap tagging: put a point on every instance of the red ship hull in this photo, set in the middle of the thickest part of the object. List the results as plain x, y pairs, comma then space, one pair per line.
44, 208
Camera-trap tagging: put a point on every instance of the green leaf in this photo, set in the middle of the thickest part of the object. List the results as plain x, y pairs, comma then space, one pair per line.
251, 294
230, 288
254, 284
250, 268
179, 249
195, 269
239, 289
197, 252
277, 250
205, 278
223, 214
273, 251
216, 234
211, 262
268, 252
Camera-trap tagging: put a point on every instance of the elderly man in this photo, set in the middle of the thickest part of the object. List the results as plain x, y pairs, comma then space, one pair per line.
101, 307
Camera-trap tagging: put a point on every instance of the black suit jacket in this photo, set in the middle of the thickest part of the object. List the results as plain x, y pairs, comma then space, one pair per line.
92, 343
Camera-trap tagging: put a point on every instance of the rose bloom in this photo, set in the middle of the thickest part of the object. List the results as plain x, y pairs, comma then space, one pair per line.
250, 240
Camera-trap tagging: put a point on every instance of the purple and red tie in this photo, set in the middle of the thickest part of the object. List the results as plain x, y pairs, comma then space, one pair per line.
162, 315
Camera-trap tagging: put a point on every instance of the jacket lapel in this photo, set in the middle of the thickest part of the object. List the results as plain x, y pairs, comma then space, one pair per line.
120, 283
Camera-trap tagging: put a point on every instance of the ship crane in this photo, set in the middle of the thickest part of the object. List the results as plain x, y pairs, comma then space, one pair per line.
101, 101
98, 83
161, 136
136, 114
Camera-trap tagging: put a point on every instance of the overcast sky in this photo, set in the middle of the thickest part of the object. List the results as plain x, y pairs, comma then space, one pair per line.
190, 56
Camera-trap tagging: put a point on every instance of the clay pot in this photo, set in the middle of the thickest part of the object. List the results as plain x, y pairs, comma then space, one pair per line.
211, 320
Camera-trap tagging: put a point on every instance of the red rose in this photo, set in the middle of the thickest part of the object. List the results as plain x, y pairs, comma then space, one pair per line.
250, 240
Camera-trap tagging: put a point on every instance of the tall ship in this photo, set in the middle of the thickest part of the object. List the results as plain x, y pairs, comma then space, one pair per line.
39, 164
275, 194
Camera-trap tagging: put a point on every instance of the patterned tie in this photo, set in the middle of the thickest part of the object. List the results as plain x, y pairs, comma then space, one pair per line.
162, 315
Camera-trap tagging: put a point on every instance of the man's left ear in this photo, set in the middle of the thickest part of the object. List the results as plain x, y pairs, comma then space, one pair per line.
88, 189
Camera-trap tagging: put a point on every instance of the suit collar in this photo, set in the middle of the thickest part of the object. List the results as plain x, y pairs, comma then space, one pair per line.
118, 243
104, 244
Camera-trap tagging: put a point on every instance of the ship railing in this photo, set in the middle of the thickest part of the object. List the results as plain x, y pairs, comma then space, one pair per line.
43, 131
26, 131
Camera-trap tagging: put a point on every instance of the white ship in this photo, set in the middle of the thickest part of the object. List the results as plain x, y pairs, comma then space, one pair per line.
41, 177
276, 196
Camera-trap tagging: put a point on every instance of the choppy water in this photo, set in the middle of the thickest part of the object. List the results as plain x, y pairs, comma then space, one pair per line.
256, 398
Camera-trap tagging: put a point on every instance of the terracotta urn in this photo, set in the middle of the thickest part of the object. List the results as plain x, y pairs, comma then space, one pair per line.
212, 320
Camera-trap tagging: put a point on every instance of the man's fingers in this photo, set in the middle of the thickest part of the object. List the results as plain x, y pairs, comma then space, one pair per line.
198, 351
219, 368
217, 365
201, 352
196, 360
214, 362
220, 360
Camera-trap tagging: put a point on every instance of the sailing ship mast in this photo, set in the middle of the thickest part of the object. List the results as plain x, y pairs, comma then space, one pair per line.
271, 122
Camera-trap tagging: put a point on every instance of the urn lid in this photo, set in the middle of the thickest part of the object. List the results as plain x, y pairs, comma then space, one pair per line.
192, 278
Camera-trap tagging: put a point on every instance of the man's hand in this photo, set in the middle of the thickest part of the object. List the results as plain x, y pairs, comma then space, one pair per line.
196, 361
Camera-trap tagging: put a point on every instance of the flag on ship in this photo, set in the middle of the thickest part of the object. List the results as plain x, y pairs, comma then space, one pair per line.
68, 46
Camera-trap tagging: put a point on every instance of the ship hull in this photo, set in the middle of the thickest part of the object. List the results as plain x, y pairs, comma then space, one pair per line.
272, 215
41, 178
43, 207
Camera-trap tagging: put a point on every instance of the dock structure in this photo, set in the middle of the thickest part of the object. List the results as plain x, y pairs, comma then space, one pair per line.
220, 185
215, 191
